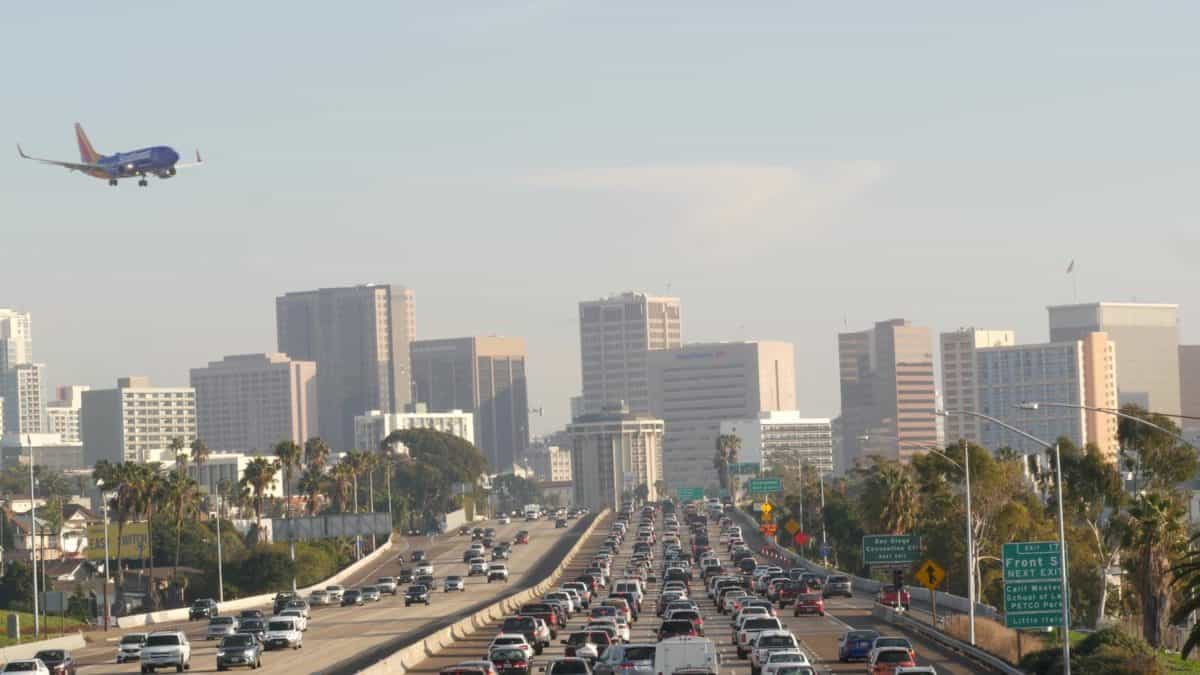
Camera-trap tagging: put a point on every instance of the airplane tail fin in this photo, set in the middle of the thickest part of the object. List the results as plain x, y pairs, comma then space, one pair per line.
87, 154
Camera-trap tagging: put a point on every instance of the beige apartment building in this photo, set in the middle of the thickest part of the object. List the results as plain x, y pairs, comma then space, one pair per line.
887, 390
1189, 387
135, 422
695, 387
250, 402
958, 376
62, 414
612, 453
615, 335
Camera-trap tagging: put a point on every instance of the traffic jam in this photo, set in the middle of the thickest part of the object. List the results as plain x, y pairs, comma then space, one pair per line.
675, 590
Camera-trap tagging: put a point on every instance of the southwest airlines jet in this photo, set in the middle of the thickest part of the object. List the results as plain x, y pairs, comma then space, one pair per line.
159, 160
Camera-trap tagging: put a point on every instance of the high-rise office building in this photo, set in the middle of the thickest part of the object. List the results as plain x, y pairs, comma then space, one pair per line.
16, 338
613, 453
359, 337
250, 402
1189, 388
783, 440
615, 334
372, 428
1081, 372
549, 462
695, 387
136, 422
958, 378
485, 375
1147, 338
62, 414
888, 393
23, 388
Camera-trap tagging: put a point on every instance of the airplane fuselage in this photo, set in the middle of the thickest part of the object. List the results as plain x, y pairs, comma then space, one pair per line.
158, 161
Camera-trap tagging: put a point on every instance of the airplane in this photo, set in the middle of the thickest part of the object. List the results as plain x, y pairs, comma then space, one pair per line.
159, 160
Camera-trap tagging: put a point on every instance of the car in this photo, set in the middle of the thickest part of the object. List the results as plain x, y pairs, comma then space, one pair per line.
418, 555
335, 591
583, 644
417, 593
370, 594
256, 628
522, 537
814, 581
477, 566
676, 628
220, 626
500, 553
750, 629
568, 666
511, 640
483, 667
886, 660
318, 598
203, 608
27, 666
783, 659
810, 603
239, 650
168, 648
560, 523
565, 598
250, 614
837, 584
406, 576
454, 583
855, 644
425, 580
915, 670
298, 615
283, 632
891, 641
527, 626
545, 612
627, 659
57, 661
888, 596
768, 642
352, 597
389, 585
423, 568
509, 661
281, 600
130, 647
585, 593
695, 655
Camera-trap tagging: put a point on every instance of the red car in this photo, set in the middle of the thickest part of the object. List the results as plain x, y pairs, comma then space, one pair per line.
809, 603
522, 538
887, 596
888, 659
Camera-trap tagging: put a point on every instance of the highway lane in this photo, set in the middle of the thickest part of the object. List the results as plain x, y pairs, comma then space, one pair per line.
339, 633
817, 634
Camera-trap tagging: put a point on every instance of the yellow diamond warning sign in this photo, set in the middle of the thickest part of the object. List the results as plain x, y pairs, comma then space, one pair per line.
930, 575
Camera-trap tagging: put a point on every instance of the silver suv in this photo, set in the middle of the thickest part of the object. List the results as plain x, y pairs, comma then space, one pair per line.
837, 584
166, 649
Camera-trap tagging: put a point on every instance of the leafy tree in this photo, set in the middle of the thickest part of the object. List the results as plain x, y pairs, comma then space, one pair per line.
1155, 456
1157, 533
1109, 651
16, 586
437, 461
513, 492
889, 496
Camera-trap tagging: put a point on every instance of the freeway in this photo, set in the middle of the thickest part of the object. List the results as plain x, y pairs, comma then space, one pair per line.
339, 635
818, 635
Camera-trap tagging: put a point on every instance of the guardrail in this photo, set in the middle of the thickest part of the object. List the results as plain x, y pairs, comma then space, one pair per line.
944, 600
408, 657
930, 633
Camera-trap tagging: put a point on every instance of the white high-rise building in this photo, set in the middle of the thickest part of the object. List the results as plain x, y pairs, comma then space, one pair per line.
549, 462
23, 389
782, 439
62, 414
612, 454
229, 467
958, 377
136, 422
372, 428
695, 387
615, 334
16, 338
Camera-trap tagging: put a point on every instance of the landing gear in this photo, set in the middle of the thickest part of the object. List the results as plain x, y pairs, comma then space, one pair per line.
112, 182
142, 182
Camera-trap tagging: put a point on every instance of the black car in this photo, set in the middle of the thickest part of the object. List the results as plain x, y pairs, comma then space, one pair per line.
254, 627
204, 608
352, 596
59, 661
239, 650
417, 593
250, 614
418, 556
281, 601
560, 523
406, 576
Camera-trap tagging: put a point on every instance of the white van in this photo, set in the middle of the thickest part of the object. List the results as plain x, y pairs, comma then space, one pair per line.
693, 655
633, 586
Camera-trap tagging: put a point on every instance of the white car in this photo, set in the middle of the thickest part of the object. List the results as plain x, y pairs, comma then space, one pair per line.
768, 642
283, 632
750, 629
298, 615
454, 583
505, 520
565, 598
783, 659
610, 621
334, 593
477, 566
319, 598
423, 568
130, 647
512, 641
27, 666
166, 649
747, 612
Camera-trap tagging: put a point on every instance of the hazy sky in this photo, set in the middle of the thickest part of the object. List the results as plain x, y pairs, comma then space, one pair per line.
788, 169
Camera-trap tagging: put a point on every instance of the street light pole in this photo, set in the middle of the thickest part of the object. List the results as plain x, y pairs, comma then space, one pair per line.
1062, 539
107, 574
37, 626
220, 571
970, 542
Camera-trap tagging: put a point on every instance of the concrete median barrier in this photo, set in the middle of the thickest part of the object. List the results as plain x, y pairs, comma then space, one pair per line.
27, 650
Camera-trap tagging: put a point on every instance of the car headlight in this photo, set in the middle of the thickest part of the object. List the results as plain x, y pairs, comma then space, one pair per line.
221, 652
249, 653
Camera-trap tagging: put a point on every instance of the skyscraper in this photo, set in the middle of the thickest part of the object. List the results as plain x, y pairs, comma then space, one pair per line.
613, 453
250, 402
615, 334
958, 377
485, 375
359, 337
1147, 338
16, 338
888, 393
21, 380
695, 387
136, 422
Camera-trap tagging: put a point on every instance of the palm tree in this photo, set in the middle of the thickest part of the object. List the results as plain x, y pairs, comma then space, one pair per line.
312, 482
258, 476
359, 462
1157, 535
900, 499
146, 485
289, 455
177, 448
182, 493
343, 477
728, 446
316, 453
200, 453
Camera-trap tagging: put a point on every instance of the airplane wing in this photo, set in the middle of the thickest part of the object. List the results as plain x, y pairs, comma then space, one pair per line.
73, 166
191, 165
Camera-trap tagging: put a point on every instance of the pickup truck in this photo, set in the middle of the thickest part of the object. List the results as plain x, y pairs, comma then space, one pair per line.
887, 596
789, 591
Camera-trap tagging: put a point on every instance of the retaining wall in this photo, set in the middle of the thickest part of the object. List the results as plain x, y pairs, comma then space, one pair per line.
27, 650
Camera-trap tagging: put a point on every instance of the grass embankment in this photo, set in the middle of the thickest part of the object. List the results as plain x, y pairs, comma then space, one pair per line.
52, 626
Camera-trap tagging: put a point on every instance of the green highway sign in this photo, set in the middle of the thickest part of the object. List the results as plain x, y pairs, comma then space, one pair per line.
1033, 592
744, 468
764, 486
689, 494
891, 549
